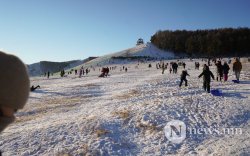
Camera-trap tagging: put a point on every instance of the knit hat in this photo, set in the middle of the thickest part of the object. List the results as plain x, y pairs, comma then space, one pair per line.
14, 82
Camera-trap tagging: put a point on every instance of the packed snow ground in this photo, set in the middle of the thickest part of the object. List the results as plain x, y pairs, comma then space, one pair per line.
125, 113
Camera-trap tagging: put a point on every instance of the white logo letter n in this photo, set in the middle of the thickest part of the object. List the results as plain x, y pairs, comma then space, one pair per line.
175, 131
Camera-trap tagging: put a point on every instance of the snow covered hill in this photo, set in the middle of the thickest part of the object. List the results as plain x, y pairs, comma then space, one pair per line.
39, 68
125, 114
141, 51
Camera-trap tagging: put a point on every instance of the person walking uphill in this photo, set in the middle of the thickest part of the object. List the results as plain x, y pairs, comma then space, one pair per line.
237, 66
175, 67
219, 71
15, 88
225, 71
184, 74
207, 74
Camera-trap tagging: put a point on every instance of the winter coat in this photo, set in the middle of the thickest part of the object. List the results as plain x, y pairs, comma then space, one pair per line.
184, 74
174, 65
225, 68
207, 74
237, 66
219, 68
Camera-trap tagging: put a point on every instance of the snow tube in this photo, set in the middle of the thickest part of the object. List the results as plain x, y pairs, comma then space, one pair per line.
236, 81
216, 92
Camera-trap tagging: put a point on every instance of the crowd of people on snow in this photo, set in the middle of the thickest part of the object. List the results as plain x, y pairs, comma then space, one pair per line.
222, 70
15, 86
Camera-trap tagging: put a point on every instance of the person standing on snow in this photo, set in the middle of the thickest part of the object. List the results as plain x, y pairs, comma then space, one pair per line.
87, 71
170, 70
48, 74
207, 74
219, 71
237, 66
184, 65
175, 67
225, 70
163, 68
15, 88
184, 74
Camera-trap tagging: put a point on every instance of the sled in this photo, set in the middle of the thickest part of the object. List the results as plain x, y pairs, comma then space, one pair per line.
236, 81
216, 92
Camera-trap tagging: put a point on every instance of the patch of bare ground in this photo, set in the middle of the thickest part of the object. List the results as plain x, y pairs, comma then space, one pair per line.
55, 105
130, 94
100, 132
148, 128
124, 114
91, 85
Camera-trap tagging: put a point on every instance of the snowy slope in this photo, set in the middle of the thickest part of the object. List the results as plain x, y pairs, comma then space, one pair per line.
125, 114
39, 68
143, 50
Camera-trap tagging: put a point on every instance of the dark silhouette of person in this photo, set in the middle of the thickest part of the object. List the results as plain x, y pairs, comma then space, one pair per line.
34, 88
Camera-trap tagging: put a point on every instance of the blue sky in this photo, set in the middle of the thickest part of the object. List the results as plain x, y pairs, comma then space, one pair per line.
61, 30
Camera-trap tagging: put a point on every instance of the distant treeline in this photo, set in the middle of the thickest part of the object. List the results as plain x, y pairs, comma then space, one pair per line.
209, 43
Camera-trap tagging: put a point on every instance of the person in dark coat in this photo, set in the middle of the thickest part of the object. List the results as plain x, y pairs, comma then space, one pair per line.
219, 71
184, 74
225, 71
197, 65
107, 71
34, 88
207, 74
170, 70
87, 71
237, 67
174, 66
184, 65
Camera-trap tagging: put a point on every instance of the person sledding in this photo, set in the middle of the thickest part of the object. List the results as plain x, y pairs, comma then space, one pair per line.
207, 74
32, 88
105, 72
184, 74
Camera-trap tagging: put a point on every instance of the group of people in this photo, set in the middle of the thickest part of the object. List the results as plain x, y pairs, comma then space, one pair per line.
222, 70
82, 71
15, 86
173, 67
206, 73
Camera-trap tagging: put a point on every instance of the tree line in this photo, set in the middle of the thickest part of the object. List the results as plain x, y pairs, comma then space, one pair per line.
205, 43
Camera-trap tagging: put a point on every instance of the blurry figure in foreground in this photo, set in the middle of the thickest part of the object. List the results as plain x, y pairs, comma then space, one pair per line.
15, 87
